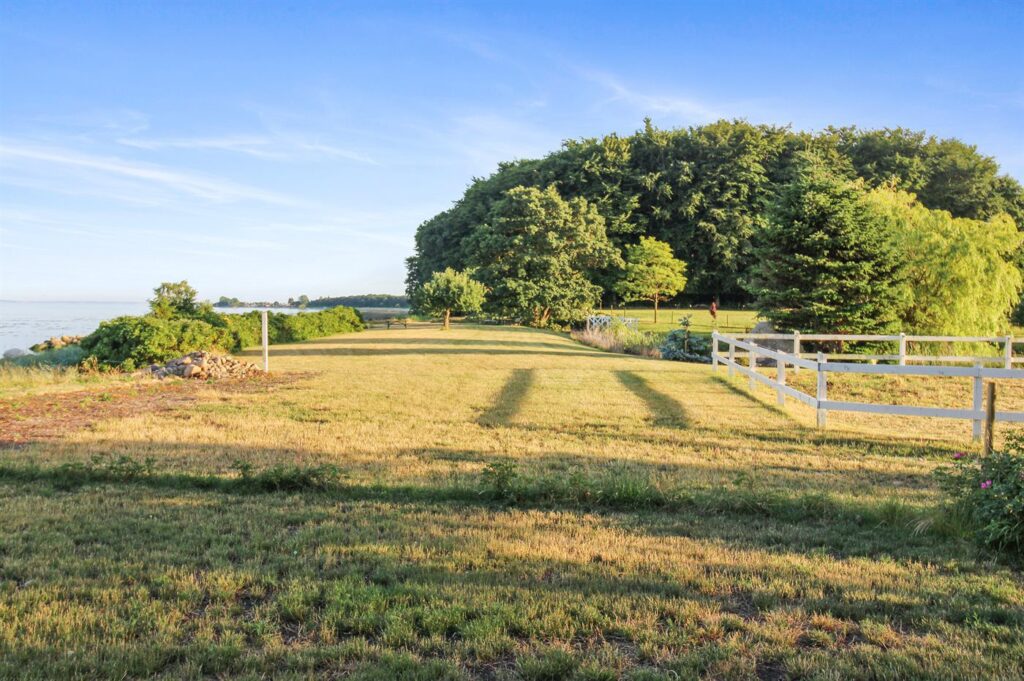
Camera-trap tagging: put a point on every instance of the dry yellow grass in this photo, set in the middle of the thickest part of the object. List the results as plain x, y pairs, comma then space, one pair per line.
662, 521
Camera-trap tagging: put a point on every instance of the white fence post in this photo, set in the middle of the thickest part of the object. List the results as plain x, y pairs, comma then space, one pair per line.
714, 351
780, 377
266, 344
978, 403
732, 358
822, 391
753, 365
1008, 353
796, 349
903, 349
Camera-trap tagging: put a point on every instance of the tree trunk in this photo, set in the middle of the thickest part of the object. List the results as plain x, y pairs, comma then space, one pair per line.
655, 309
447, 318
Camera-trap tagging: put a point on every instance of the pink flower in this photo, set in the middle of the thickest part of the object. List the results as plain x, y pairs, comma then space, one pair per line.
986, 484
959, 455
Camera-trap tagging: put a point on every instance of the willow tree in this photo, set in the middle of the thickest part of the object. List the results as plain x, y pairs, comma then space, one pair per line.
962, 279
652, 273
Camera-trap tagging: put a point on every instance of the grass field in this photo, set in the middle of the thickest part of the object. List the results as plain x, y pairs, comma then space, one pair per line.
729, 321
506, 504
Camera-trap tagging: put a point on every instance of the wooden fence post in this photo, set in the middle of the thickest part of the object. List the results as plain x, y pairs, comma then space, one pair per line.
990, 417
732, 359
266, 344
796, 349
903, 349
753, 365
978, 403
822, 391
714, 351
1008, 353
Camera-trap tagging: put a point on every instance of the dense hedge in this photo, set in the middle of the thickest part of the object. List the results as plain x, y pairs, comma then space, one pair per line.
289, 328
130, 342
134, 341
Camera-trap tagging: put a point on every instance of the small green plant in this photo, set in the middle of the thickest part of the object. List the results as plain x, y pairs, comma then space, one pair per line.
499, 480
989, 492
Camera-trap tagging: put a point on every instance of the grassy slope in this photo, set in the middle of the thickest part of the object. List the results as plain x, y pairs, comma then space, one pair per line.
788, 551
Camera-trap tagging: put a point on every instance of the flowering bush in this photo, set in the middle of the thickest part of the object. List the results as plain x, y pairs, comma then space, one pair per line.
989, 490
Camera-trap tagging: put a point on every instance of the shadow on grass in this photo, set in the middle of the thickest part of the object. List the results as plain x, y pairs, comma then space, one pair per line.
313, 351
805, 518
441, 340
509, 401
664, 410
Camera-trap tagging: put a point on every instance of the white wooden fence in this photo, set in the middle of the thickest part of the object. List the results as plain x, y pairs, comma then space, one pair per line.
744, 345
603, 322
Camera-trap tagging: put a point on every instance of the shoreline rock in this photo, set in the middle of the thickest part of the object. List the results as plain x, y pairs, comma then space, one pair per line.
56, 343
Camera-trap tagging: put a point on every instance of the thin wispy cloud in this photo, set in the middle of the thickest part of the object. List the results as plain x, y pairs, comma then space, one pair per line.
115, 120
262, 147
208, 188
689, 109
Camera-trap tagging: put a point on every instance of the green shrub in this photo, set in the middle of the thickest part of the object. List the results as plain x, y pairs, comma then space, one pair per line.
246, 329
989, 491
130, 342
682, 346
67, 356
137, 341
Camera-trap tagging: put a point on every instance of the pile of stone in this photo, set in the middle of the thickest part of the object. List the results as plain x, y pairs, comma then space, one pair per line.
56, 343
203, 365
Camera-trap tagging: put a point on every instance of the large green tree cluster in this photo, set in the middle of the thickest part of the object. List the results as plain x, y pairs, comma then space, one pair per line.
708, 192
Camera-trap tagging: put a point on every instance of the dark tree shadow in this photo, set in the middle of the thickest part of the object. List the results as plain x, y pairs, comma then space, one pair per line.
665, 410
510, 400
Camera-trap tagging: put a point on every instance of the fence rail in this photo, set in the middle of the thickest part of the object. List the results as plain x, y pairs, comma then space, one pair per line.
822, 365
1005, 356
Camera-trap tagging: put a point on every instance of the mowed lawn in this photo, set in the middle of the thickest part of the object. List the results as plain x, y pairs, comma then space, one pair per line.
727, 321
510, 505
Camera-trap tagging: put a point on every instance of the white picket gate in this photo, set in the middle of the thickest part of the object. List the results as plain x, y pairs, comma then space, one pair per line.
822, 365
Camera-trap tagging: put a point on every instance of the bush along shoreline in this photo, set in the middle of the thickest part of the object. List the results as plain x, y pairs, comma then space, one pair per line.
177, 326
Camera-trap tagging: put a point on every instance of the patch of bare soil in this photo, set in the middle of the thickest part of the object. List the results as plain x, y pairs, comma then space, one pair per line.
52, 416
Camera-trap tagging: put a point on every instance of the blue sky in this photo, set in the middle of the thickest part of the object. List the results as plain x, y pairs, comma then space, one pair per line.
268, 150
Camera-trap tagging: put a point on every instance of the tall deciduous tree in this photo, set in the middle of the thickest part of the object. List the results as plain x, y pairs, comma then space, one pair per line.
652, 273
826, 262
174, 299
535, 252
449, 291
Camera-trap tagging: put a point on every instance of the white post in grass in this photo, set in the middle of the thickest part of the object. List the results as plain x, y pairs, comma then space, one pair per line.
796, 349
753, 364
732, 359
714, 352
1008, 353
822, 390
266, 344
903, 349
978, 402
780, 378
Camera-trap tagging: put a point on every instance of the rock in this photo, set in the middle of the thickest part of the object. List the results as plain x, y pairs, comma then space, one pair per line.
771, 344
14, 352
200, 365
56, 342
